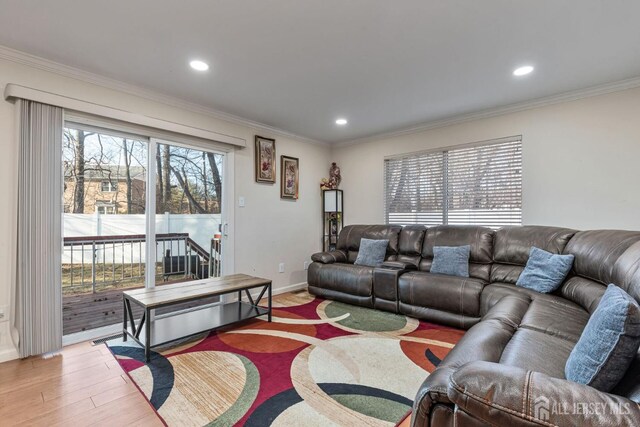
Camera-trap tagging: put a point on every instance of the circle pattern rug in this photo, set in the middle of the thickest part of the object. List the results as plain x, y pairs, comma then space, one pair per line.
318, 363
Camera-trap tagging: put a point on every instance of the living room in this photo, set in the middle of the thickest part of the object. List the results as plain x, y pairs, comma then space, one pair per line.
357, 209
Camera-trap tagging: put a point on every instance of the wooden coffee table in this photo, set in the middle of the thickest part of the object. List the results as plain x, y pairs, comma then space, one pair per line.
174, 326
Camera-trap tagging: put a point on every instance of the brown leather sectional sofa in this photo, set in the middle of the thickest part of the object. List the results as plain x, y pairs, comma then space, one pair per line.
508, 369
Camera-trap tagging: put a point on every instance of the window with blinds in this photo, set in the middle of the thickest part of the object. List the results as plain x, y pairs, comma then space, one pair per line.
479, 185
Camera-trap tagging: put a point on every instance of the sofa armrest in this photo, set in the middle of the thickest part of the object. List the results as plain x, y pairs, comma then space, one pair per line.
329, 257
505, 395
398, 265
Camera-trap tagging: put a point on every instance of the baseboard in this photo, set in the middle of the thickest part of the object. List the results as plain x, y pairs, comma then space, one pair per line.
8, 354
289, 288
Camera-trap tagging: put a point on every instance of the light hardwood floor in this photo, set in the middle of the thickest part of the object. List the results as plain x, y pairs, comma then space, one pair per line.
82, 386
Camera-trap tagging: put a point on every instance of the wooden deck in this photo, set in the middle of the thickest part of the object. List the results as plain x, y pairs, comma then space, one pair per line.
89, 311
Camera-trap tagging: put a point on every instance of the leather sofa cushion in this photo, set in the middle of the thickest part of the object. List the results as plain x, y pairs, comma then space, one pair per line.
440, 317
537, 351
584, 292
551, 317
494, 292
350, 236
480, 240
348, 278
626, 272
410, 244
448, 293
597, 251
512, 244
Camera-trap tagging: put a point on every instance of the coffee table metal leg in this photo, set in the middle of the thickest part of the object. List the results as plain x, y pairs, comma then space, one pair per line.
269, 297
125, 324
147, 336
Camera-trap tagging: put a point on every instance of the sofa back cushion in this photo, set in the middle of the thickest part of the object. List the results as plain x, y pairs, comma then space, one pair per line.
350, 236
410, 244
626, 271
597, 252
480, 240
513, 244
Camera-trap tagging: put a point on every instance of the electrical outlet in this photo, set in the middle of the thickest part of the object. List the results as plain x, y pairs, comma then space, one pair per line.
281, 267
306, 265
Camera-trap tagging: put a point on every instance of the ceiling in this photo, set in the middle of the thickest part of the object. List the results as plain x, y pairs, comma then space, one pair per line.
299, 65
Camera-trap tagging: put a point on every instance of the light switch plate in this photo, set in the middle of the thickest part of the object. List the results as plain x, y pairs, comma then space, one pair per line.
241, 201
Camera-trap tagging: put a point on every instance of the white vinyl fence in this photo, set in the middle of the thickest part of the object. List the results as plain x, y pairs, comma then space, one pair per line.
200, 227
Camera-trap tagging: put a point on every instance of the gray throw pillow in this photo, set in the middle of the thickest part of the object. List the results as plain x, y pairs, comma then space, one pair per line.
544, 271
608, 344
451, 260
371, 252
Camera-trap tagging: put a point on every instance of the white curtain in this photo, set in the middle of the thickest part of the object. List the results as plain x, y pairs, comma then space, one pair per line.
38, 292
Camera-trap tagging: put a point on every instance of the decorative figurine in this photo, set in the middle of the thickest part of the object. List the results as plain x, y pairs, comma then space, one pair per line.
334, 174
334, 178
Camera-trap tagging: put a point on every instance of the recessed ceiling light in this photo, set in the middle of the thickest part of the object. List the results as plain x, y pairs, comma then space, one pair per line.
341, 122
199, 65
523, 71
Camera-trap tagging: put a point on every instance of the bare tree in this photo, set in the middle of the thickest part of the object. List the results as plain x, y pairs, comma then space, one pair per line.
194, 205
166, 171
217, 180
127, 174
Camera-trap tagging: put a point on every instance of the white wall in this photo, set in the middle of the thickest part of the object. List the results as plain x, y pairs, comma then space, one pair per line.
267, 231
580, 162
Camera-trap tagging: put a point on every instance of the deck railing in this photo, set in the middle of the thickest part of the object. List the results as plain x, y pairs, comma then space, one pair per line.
99, 262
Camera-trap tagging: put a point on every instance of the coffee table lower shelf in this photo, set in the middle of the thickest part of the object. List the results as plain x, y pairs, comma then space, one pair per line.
173, 327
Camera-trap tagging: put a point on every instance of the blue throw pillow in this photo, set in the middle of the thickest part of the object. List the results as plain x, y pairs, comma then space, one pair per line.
371, 252
608, 344
451, 260
544, 271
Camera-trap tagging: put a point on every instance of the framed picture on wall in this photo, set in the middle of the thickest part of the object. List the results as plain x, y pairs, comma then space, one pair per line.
265, 160
289, 170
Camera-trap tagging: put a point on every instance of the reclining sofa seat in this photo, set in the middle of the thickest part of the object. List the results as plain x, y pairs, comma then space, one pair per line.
448, 300
515, 349
334, 275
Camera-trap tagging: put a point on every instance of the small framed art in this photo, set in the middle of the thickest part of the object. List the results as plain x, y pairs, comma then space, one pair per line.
265, 160
289, 171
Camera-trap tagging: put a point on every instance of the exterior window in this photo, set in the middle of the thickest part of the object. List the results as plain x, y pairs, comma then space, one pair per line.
108, 186
476, 185
106, 209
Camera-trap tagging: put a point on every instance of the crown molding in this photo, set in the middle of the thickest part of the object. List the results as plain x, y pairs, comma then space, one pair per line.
575, 95
47, 65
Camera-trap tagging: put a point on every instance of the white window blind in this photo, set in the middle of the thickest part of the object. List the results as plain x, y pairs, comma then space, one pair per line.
479, 185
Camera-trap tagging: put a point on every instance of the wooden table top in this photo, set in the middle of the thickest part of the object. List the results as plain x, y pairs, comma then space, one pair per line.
178, 292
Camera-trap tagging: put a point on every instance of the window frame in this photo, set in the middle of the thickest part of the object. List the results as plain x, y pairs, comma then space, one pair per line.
444, 151
111, 187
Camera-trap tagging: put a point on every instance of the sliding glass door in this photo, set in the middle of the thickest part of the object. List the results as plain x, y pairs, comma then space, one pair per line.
138, 212
188, 213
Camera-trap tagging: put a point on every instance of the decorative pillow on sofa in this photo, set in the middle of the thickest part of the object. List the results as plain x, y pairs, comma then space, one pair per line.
371, 252
608, 343
544, 271
451, 260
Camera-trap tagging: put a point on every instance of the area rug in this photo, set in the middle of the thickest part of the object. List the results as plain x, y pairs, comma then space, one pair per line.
319, 363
